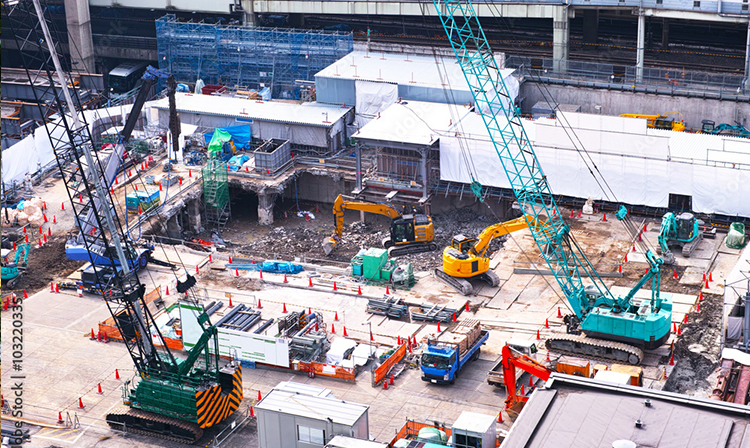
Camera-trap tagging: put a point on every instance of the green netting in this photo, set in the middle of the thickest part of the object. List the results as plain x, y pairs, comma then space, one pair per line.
215, 183
736, 236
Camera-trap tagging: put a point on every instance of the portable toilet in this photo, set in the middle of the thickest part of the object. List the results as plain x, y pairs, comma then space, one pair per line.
473, 430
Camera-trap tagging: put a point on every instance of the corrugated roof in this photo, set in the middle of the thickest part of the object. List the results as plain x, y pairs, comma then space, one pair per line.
580, 412
400, 68
413, 122
318, 408
310, 114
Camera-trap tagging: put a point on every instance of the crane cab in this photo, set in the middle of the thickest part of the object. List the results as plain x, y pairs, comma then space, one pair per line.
412, 228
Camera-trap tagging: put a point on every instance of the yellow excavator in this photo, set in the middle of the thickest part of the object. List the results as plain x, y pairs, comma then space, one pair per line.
409, 233
466, 258
661, 121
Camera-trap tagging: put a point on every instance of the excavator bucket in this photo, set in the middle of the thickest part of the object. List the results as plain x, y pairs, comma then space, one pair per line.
328, 245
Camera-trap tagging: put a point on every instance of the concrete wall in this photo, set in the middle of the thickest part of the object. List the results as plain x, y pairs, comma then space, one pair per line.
318, 188
693, 110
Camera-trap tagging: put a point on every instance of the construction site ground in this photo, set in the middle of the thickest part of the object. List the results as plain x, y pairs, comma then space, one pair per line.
61, 364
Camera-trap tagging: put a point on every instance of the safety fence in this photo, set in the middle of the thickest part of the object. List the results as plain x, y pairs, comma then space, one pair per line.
314, 369
630, 78
381, 372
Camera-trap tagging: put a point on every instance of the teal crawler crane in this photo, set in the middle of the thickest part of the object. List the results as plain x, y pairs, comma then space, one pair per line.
616, 328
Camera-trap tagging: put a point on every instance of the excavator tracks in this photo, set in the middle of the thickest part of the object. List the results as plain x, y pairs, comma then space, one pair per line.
461, 285
397, 251
689, 248
581, 345
150, 424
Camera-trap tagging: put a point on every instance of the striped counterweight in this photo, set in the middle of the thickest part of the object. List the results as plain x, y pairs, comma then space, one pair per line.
214, 404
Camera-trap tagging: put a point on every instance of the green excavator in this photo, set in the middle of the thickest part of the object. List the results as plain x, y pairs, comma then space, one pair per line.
11, 272
682, 230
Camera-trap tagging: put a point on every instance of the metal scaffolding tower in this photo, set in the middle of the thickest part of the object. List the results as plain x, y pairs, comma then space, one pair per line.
247, 57
216, 193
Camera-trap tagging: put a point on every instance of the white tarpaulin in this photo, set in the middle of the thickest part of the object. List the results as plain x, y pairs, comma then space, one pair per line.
35, 151
373, 97
636, 166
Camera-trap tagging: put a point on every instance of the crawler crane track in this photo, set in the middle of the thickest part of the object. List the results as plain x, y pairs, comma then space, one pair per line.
155, 425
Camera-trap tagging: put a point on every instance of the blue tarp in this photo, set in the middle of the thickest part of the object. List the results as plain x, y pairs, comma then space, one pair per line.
272, 267
236, 162
241, 135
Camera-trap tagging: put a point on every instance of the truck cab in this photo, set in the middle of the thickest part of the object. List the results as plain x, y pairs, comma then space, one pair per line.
439, 364
518, 347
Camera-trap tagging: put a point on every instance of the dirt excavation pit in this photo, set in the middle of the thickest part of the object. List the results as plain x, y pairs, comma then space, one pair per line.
697, 351
46, 264
294, 236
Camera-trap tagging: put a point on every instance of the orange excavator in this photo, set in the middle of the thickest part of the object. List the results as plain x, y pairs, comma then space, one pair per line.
513, 360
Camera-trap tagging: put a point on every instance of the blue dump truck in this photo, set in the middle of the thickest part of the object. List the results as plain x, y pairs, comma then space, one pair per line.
446, 355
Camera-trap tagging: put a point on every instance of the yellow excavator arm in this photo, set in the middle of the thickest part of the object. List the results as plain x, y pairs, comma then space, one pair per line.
341, 204
496, 230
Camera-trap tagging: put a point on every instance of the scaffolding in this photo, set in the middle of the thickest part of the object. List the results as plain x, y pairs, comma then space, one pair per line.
216, 193
247, 57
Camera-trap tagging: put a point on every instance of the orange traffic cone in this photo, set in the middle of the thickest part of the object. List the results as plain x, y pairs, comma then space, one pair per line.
285, 280
345, 333
546, 323
259, 396
196, 270
559, 313
385, 384
230, 259
252, 412
523, 391
92, 337
700, 295
371, 337
80, 403
210, 258
25, 294
54, 219
547, 357
675, 276
336, 316
167, 293
626, 257
639, 236
261, 274
59, 418
454, 317
467, 305
697, 307
236, 272
99, 391
604, 219
710, 276
439, 330
284, 310
333, 329
537, 335
391, 379
334, 286
671, 360
259, 305
359, 290
500, 417
387, 291
231, 305
117, 374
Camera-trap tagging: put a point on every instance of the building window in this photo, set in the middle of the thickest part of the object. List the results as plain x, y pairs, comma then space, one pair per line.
659, 2
311, 435
696, 3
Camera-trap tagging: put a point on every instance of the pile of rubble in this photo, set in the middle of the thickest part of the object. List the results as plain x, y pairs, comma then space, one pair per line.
304, 240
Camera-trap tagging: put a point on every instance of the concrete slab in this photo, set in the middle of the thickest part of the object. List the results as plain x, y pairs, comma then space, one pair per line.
510, 291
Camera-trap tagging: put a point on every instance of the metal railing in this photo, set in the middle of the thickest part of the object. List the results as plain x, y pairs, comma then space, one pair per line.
620, 77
